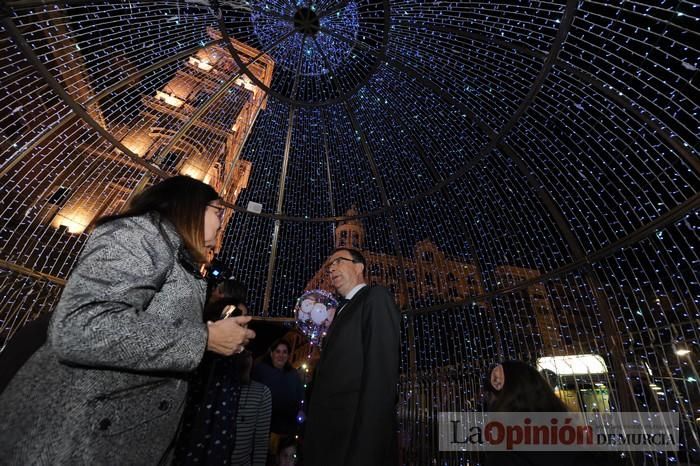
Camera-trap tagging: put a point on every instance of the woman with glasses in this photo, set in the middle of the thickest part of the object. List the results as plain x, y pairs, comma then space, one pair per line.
109, 385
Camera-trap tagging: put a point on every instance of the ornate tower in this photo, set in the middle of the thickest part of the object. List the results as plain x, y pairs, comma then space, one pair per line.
350, 233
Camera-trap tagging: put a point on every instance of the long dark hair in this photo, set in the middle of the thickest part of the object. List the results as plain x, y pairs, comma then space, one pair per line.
228, 288
233, 292
182, 201
524, 389
267, 357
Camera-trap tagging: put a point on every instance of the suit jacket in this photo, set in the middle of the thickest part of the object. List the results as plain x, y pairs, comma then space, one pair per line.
352, 417
108, 386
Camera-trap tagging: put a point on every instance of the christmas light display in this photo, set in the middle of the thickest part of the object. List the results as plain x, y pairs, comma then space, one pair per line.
522, 175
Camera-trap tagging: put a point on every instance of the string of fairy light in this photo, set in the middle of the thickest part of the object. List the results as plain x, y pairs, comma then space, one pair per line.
434, 120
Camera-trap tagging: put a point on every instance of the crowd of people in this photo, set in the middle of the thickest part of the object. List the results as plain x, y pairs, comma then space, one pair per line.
143, 360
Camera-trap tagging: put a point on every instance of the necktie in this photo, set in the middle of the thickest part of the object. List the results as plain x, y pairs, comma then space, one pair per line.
342, 302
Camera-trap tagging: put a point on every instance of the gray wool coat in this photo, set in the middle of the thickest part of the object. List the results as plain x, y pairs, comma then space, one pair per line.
109, 385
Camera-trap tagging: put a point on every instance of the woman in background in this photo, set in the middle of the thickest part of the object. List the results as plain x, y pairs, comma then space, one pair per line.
275, 371
514, 386
109, 385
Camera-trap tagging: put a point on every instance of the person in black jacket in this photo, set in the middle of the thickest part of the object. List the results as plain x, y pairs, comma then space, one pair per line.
276, 372
352, 418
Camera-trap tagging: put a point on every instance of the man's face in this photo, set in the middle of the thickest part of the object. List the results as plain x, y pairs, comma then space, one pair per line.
343, 272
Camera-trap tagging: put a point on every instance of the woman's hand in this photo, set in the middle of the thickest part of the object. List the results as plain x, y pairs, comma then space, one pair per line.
229, 336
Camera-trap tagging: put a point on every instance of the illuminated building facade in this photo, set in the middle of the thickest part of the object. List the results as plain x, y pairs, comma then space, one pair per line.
178, 120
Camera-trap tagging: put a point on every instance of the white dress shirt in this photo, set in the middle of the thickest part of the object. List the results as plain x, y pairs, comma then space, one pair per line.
350, 295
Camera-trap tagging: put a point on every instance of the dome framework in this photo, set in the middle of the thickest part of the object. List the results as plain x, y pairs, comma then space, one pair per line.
525, 174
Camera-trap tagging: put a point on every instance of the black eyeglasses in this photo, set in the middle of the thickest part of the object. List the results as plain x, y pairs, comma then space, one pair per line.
220, 211
335, 262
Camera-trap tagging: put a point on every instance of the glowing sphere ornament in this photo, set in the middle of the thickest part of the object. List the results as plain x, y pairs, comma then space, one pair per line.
314, 311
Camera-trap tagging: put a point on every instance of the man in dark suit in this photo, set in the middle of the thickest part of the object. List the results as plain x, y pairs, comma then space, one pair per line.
352, 417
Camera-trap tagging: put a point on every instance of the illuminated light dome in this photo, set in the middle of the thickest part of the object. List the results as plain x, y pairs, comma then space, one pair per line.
523, 176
